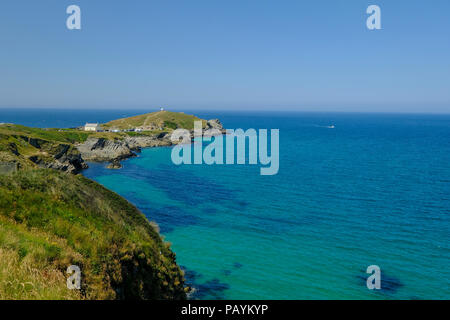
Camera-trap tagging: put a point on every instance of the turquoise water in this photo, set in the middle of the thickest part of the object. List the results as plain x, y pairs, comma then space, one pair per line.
373, 190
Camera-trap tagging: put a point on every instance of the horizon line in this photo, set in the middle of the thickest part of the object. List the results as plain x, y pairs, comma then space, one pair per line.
264, 110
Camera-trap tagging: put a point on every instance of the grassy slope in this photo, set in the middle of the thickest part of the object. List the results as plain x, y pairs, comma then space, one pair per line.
50, 220
15, 143
164, 119
66, 136
56, 135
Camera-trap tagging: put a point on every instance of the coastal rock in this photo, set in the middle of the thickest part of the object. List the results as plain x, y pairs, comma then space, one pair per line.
100, 149
13, 149
43, 153
115, 164
162, 139
214, 124
67, 159
67, 167
37, 143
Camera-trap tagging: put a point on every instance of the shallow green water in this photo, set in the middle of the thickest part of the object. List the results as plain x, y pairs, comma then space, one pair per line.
373, 190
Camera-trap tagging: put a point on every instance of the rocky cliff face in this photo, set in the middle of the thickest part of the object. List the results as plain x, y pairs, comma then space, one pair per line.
72, 163
95, 149
215, 124
43, 153
100, 150
70, 158
60, 157
162, 139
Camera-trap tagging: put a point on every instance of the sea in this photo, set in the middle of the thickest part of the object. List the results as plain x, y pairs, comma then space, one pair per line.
353, 190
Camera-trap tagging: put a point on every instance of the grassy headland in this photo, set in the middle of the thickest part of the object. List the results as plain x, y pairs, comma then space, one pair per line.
37, 147
50, 219
161, 120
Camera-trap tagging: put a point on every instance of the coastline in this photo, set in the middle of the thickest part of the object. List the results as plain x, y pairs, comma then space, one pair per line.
226, 211
114, 151
69, 149
48, 163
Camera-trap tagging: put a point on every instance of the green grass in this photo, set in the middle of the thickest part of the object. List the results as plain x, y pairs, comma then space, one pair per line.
56, 135
19, 143
161, 119
50, 220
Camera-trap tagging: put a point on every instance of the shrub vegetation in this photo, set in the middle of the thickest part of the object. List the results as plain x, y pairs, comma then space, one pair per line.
50, 220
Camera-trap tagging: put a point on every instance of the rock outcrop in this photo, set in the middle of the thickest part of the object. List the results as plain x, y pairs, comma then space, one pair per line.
214, 124
104, 150
162, 139
19, 150
115, 164
64, 158
100, 149
22, 150
213, 128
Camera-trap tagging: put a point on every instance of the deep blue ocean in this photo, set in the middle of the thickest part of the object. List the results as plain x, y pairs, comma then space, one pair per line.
375, 190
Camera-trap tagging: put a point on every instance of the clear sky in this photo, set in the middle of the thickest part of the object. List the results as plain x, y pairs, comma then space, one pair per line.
227, 54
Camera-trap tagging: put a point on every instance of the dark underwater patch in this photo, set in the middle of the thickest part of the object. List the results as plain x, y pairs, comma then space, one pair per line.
209, 210
211, 289
191, 276
167, 217
170, 217
389, 284
183, 186
237, 265
237, 204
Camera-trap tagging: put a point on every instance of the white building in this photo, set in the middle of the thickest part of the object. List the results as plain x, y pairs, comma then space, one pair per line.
91, 127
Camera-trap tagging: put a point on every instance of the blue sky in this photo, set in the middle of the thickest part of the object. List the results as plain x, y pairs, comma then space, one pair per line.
235, 54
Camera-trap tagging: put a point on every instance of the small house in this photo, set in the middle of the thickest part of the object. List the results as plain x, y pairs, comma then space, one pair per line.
91, 127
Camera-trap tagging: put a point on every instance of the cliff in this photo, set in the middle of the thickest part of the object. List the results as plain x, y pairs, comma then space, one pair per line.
21, 150
50, 220
102, 149
116, 149
67, 150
